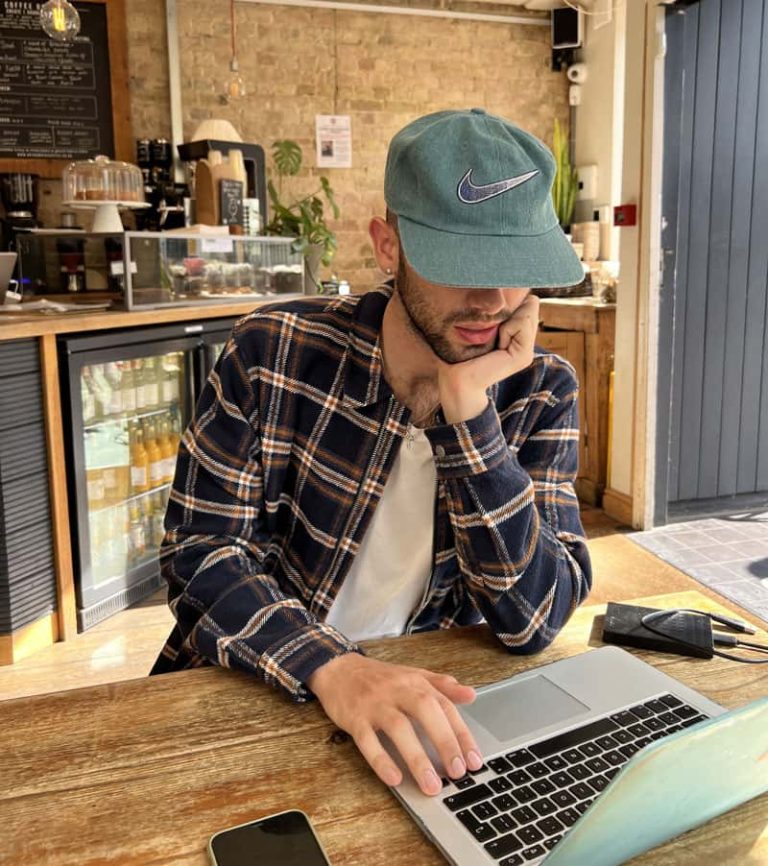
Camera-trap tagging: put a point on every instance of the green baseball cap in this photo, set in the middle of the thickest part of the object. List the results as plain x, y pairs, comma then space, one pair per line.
472, 194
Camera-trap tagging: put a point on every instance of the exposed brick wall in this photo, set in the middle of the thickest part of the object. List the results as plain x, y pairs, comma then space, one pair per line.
148, 68
383, 70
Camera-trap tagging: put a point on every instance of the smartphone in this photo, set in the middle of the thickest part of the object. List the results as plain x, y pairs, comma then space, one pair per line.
284, 839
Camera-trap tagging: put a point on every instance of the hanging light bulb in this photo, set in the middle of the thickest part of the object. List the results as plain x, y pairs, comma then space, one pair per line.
235, 86
60, 20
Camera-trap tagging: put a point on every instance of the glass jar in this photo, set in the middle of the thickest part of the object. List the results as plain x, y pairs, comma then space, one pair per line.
102, 179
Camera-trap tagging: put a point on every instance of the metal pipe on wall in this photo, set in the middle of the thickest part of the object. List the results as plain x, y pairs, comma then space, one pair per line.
174, 85
407, 10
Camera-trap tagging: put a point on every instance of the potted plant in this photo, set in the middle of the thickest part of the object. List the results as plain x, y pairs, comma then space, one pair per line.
566, 181
302, 217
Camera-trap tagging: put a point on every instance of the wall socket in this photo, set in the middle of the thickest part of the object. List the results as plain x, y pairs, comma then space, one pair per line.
587, 190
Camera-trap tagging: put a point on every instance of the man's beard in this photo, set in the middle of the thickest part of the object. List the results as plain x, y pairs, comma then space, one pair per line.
425, 324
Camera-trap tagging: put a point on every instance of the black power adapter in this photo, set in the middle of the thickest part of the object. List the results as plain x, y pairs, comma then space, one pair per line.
678, 632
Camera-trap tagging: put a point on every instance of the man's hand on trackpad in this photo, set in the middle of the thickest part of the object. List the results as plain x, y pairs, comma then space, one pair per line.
365, 697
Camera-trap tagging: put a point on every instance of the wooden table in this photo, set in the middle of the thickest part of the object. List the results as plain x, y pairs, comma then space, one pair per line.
144, 771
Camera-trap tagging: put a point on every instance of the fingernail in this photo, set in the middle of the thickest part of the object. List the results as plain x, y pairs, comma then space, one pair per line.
392, 778
458, 768
431, 783
474, 760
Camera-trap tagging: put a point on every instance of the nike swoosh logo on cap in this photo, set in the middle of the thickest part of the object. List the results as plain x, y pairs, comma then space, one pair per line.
471, 193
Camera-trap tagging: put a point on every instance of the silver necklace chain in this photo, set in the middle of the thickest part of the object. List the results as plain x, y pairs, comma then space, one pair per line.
427, 418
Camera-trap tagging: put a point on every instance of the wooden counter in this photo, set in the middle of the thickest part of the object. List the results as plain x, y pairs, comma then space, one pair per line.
145, 771
584, 332
15, 326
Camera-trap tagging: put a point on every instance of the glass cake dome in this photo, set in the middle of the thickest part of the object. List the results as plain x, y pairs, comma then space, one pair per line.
103, 184
103, 179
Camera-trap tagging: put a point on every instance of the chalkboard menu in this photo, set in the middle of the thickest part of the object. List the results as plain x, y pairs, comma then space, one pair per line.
55, 98
231, 201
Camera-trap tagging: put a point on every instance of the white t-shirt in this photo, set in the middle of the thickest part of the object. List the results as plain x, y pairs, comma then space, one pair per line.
390, 573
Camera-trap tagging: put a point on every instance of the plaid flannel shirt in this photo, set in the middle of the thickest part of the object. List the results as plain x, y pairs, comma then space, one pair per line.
280, 471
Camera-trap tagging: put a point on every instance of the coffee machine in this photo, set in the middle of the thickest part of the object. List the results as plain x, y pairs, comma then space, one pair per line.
255, 171
19, 197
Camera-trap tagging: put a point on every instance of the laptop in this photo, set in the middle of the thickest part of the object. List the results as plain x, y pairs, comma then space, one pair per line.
7, 263
577, 754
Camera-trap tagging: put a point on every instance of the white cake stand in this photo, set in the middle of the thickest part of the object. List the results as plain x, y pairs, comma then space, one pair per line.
107, 216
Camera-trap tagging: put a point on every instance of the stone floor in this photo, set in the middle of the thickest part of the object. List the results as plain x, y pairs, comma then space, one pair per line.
728, 554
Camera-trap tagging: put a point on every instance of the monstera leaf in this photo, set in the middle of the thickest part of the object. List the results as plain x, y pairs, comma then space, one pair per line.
287, 157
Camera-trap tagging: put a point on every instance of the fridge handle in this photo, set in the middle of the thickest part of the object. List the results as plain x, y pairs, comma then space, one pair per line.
197, 381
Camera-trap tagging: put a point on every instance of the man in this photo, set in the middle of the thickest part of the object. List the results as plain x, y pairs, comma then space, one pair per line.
392, 462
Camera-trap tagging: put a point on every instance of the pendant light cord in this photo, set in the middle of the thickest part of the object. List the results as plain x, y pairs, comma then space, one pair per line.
232, 26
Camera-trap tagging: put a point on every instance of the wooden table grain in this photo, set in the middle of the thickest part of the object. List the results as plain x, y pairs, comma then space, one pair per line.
145, 771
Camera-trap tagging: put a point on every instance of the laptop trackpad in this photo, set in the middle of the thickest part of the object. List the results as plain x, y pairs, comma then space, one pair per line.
510, 710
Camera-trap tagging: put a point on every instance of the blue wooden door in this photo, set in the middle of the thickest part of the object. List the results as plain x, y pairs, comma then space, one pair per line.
712, 441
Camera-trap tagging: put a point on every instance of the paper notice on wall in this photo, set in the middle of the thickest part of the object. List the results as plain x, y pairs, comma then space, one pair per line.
333, 134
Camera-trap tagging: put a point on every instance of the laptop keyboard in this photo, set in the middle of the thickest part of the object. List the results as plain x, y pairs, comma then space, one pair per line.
519, 805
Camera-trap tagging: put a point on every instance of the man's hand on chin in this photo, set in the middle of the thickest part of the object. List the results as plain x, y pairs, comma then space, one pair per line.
462, 387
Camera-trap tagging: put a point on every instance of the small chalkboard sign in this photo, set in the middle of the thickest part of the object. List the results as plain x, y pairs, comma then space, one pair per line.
230, 202
61, 101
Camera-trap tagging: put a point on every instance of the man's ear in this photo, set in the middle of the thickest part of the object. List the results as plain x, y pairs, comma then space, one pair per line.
386, 245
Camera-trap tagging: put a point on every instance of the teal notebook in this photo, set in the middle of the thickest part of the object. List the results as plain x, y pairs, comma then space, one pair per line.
671, 786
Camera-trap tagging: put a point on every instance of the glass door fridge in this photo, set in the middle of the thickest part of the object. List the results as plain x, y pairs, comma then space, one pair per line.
130, 395
212, 343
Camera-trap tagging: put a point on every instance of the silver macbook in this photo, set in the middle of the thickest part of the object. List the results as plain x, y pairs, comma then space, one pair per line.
576, 755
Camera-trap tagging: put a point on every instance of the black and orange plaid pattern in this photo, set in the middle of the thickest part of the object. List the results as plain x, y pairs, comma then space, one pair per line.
281, 468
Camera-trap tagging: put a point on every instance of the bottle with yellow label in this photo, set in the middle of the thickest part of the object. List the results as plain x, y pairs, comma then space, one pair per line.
167, 450
139, 460
154, 453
